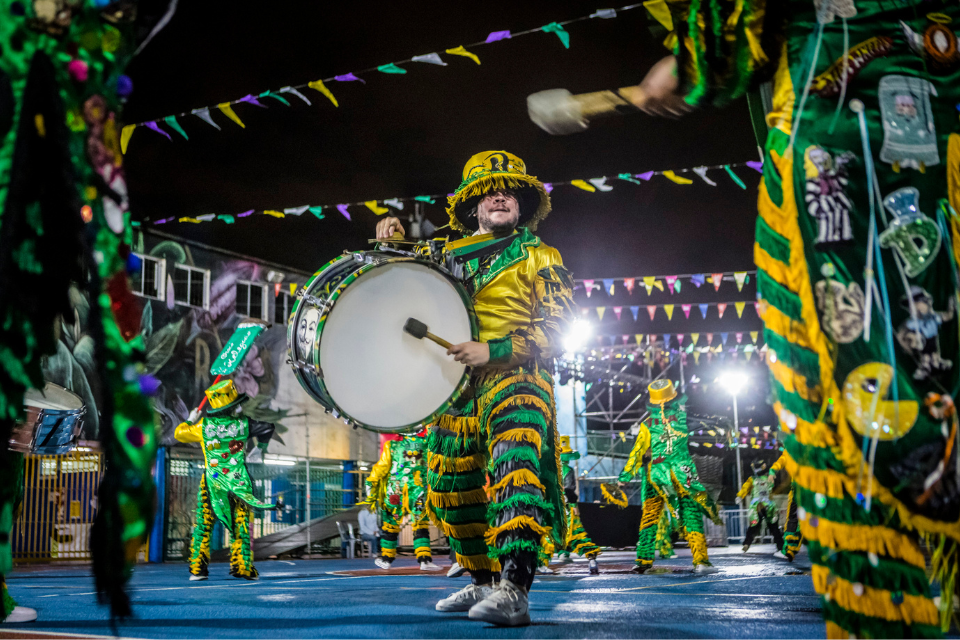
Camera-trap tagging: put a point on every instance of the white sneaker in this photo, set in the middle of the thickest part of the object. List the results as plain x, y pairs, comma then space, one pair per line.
456, 571
21, 614
383, 564
545, 570
779, 555
465, 598
195, 578
507, 606
594, 569
430, 565
704, 569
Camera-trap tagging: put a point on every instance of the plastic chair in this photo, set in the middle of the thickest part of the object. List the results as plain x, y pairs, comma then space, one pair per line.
354, 540
349, 539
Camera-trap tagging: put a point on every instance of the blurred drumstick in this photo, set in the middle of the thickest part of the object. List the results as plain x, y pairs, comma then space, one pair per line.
396, 237
559, 112
419, 331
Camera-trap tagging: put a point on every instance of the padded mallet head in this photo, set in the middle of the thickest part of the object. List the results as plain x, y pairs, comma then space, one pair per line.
415, 328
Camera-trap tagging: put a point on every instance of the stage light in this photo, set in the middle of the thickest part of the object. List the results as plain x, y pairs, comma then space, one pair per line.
577, 335
733, 381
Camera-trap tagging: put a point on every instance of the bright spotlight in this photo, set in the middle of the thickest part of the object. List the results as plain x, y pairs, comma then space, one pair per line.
577, 335
733, 381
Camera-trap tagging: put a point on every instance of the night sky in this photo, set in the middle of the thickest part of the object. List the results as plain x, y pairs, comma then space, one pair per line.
404, 135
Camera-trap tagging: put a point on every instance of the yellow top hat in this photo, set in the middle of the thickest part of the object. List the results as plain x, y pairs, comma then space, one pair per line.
223, 397
493, 171
661, 391
565, 445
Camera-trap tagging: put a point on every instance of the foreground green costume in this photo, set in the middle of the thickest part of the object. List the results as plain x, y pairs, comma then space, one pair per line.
397, 486
226, 491
668, 477
856, 250
64, 220
577, 541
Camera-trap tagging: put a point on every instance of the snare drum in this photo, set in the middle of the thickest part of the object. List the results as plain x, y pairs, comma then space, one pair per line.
350, 353
53, 424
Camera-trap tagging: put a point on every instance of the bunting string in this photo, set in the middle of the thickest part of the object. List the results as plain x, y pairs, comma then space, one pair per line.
673, 283
380, 207
738, 306
283, 95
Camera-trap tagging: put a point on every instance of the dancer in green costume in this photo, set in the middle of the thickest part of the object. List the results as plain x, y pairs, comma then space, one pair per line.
577, 541
668, 478
758, 492
856, 251
397, 486
226, 491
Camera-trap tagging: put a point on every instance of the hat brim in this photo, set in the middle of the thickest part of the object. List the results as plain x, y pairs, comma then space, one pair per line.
240, 399
532, 197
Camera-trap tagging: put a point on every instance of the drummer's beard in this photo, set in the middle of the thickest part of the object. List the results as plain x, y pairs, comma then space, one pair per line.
498, 229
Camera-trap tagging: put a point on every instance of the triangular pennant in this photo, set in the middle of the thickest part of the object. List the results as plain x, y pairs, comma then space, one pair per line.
702, 172
721, 307
601, 184
588, 287
600, 311
698, 279
740, 277
349, 77
669, 309
226, 218
672, 283
227, 110
756, 165
296, 211
377, 209
173, 124
628, 177
638, 337
628, 284
548, 187
153, 126
716, 279
204, 114
696, 357
605, 14
739, 337
430, 58
672, 177
626, 338
342, 208
748, 354
207, 217
734, 177
293, 288
278, 98
635, 310
617, 311
703, 310
396, 203
293, 91
249, 99
756, 308
740, 306
426, 199
652, 310
723, 336
754, 335
582, 184
496, 36
461, 51
680, 339
608, 285
557, 28
686, 310
318, 212
274, 213
709, 338
695, 337
390, 68
646, 175
249, 212
317, 85
127, 131
666, 340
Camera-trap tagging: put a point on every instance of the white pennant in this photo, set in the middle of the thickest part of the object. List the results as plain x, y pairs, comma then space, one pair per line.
294, 92
702, 172
204, 114
430, 58
396, 203
601, 184
296, 211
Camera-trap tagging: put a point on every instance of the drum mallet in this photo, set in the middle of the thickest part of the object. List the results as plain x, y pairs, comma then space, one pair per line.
419, 331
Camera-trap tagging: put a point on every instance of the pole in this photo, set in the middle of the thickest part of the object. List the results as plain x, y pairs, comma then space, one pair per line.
307, 528
736, 433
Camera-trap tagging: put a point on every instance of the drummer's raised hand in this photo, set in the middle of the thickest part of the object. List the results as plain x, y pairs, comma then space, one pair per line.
387, 227
473, 354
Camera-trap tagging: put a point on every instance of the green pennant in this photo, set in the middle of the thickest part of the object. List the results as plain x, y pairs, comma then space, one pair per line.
426, 199
734, 176
390, 68
226, 218
270, 94
173, 124
317, 212
557, 28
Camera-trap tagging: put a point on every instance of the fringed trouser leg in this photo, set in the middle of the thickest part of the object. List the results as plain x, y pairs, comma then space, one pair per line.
791, 534
241, 549
652, 507
421, 533
200, 541
389, 533
664, 541
577, 539
692, 519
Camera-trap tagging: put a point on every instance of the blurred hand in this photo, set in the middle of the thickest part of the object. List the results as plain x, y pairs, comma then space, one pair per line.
659, 91
387, 227
474, 354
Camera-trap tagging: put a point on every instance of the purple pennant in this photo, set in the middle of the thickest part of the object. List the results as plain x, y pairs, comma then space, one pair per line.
342, 208
349, 77
497, 35
645, 176
156, 127
698, 279
756, 165
245, 214
251, 100
548, 186
165, 220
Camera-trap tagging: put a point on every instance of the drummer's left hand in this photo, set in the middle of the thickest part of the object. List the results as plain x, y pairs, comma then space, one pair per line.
474, 354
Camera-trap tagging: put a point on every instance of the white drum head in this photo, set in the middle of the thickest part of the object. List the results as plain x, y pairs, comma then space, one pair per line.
52, 396
378, 374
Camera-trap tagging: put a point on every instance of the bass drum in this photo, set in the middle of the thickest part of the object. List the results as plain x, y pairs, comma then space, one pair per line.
53, 424
350, 353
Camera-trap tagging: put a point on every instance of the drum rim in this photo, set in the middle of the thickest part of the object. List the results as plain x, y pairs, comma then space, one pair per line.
331, 302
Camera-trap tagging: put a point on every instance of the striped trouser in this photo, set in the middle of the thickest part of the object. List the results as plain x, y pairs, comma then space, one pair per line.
241, 550
514, 435
690, 517
578, 541
391, 519
791, 533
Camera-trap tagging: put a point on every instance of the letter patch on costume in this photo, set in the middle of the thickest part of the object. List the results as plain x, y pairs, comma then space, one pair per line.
915, 237
826, 198
909, 134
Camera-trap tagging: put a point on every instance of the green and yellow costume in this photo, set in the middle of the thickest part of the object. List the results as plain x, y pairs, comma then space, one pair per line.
226, 491
397, 486
668, 476
523, 298
757, 492
856, 249
577, 541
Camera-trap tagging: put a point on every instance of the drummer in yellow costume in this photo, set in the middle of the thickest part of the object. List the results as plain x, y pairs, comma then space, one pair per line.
523, 299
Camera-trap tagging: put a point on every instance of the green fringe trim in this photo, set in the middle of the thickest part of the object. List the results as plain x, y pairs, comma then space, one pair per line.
388, 544
514, 547
817, 457
844, 511
451, 446
869, 627
521, 416
8, 602
469, 547
517, 500
421, 542
457, 481
801, 360
793, 402
779, 296
772, 242
855, 567
467, 514
518, 454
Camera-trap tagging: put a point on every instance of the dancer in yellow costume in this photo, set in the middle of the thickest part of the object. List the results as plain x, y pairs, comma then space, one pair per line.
577, 541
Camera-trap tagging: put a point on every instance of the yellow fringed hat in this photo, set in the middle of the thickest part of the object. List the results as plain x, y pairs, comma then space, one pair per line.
223, 397
491, 171
661, 391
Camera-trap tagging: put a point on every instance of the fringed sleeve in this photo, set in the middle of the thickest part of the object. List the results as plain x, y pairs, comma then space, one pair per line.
745, 489
377, 480
634, 461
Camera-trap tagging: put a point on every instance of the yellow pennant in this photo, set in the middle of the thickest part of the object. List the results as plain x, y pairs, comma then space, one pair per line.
583, 184
696, 357
740, 306
754, 335
461, 51
660, 12
275, 214
670, 175
649, 282
669, 309
740, 277
695, 336
228, 111
638, 337
600, 311
372, 205
317, 85
748, 354
125, 137
193, 220
293, 288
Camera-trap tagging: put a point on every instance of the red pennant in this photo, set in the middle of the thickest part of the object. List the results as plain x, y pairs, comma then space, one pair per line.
721, 307
709, 338
717, 279
686, 310
618, 311
628, 284
651, 309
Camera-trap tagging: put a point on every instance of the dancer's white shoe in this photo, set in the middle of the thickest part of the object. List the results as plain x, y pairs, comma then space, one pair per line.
465, 598
429, 565
21, 614
507, 606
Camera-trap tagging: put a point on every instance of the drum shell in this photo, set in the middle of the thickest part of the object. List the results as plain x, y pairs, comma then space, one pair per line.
47, 431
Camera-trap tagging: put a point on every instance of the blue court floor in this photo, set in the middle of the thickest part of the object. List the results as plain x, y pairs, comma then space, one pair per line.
753, 596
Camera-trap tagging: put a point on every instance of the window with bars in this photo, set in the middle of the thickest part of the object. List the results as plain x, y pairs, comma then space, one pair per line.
191, 286
251, 299
149, 281
282, 308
